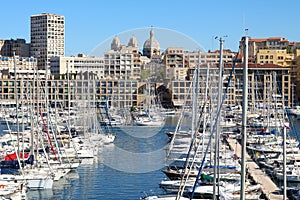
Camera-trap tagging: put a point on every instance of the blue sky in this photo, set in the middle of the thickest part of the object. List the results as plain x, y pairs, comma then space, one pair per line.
91, 22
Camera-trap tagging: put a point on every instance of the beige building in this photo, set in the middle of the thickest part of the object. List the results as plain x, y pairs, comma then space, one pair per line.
295, 73
79, 90
25, 67
265, 82
277, 57
174, 64
21, 63
178, 62
212, 57
255, 44
123, 62
47, 33
75, 65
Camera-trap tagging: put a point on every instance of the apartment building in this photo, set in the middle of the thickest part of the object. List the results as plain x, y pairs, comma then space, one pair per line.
123, 62
24, 67
13, 47
175, 64
179, 62
255, 44
79, 64
265, 82
78, 91
47, 34
273, 56
212, 57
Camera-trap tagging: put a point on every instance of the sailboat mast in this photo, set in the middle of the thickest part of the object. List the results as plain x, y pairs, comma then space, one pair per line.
17, 105
69, 99
218, 128
244, 118
284, 165
195, 91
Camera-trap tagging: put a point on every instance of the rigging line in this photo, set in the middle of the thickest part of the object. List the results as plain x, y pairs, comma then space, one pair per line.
193, 141
193, 144
48, 135
188, 167
197, 146
214, 128
180, 118
15, 148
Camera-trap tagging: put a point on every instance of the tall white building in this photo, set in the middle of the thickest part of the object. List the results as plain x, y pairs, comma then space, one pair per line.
47, 33
77, 65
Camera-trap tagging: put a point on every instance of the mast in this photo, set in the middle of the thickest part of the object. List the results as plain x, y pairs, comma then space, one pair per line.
187, 166
23, 128
32, 113
284, 164
205, 108
244, 117
218, 128
195, 91
17, 105
69, 99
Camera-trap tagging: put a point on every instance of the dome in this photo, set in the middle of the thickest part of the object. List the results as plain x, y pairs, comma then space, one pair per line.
115, 44
133, 42
151, 43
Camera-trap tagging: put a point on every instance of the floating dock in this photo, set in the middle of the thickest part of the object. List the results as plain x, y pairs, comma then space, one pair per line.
269, 188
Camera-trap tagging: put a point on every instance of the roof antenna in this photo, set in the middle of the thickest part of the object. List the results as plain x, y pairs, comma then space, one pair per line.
246, 31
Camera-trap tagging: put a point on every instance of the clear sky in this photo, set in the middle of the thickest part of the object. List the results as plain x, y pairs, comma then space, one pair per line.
91, 22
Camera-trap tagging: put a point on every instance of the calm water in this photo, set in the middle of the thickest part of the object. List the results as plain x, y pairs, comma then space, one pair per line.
116, 176
127, 169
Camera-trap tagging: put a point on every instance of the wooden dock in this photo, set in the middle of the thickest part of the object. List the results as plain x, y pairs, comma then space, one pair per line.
269, 188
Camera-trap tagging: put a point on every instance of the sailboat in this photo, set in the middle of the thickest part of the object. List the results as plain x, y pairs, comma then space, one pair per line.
152, 116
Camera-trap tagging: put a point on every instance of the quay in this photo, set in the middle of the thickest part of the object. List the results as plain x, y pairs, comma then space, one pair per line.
269, 188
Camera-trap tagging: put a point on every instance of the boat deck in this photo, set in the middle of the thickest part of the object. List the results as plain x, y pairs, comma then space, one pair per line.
269, 188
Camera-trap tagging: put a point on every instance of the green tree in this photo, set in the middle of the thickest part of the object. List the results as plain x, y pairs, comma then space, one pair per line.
145, 74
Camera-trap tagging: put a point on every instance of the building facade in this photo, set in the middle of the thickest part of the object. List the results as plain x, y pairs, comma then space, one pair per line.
79, 64
123, 62
18, 47
179, 62
277, 57
47, 34
24, 67
78, 91
265, 82
255, 44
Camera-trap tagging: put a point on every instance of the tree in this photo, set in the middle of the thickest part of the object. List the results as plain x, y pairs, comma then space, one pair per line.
145, 74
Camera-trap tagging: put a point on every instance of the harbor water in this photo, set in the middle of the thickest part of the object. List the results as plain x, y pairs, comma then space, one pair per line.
128, 179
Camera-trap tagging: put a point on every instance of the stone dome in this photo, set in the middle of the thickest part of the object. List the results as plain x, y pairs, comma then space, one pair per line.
115, 44
133, 42
151, 46
151, 43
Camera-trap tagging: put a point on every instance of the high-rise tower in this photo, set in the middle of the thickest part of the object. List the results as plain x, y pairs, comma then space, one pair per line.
47, 34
